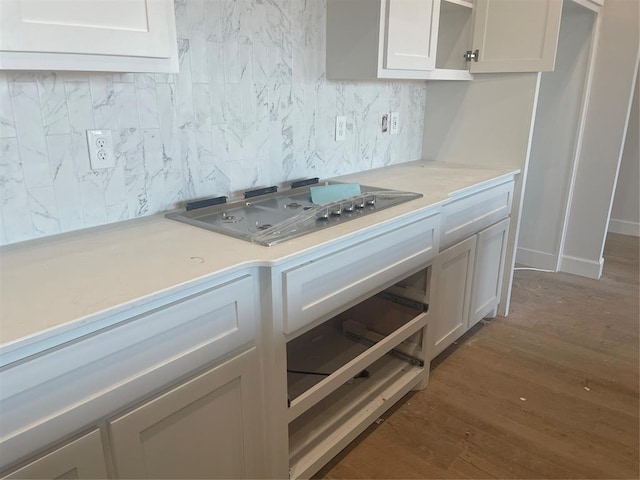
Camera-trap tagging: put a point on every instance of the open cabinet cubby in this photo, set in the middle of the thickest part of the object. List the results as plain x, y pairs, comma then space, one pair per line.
454, 39
347, 371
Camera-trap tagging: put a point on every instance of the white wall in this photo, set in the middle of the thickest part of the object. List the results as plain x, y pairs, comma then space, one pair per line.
625, 215
250, 107
554, 141
483, 122
613, 81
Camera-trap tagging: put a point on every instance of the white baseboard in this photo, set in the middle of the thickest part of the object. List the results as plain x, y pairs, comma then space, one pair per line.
624, 227
536, 259
581, 266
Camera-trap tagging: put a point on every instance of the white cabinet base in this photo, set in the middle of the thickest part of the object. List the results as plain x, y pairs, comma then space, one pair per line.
453, 271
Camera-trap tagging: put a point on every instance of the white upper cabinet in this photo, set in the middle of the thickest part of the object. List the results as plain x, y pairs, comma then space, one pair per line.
88, 35
381, 38
411, 34
515, 36
429, 39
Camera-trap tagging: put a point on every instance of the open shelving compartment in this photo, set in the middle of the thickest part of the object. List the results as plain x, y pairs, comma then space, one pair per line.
454, 38
343, 374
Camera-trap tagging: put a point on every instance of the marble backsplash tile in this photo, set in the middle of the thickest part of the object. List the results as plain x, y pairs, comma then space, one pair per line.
250, 107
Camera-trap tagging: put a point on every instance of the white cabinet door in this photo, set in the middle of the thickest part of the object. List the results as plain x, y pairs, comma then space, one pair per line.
211, 426
488, 270
66, 34
516, 36
81, 458
411, 34
453, 273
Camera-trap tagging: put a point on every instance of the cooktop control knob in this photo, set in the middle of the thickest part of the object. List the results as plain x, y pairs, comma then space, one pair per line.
323, 214
348, 207
371, 200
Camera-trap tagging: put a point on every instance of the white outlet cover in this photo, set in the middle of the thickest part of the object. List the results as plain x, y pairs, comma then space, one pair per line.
341, 128
100, 149
394, 128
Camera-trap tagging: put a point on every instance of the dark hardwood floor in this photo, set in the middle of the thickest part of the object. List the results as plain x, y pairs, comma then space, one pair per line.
549, 392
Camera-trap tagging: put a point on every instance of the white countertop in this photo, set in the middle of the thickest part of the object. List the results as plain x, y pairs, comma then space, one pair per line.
49, 282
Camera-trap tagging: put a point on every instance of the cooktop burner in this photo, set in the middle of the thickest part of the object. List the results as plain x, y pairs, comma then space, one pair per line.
271, 218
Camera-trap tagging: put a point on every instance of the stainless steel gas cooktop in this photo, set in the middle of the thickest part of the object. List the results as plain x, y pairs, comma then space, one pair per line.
267, 217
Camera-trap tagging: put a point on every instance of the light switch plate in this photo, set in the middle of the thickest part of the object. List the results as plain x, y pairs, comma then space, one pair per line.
394, 128
100, 149
341, 128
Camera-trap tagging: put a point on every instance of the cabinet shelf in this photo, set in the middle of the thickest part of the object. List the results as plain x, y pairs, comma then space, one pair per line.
334, 422
454, 38
329, 358
348, 370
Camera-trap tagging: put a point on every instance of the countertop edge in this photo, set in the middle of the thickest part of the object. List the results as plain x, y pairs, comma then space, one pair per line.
45, 339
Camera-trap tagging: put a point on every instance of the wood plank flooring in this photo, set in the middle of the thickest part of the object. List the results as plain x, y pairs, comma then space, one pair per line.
549, 392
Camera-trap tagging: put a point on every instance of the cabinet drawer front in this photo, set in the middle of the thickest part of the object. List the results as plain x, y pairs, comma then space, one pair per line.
329, 284
60, 391
469, 215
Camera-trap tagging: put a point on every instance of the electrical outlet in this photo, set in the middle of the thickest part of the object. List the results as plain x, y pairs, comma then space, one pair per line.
384, 124
100, 149
341, 128
394, 128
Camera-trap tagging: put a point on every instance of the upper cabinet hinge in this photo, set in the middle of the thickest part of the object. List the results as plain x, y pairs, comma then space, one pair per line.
469, 55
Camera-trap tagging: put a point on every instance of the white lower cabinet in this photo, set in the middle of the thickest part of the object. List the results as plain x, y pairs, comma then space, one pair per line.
208, 427
467, 283
50, 396
488, 270
80, 458
453, 269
